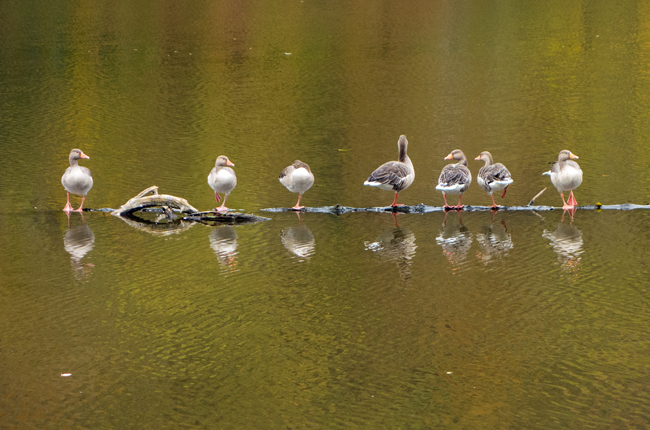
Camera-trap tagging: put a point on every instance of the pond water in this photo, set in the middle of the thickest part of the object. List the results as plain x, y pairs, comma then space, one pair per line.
473, 320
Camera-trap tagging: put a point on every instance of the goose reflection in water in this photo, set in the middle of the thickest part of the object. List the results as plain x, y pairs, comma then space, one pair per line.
398, 245
223, 241
455, 240
299, 241
78, 242
494, 241
566, 241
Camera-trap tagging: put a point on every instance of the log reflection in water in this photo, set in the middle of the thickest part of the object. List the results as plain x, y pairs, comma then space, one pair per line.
157, 227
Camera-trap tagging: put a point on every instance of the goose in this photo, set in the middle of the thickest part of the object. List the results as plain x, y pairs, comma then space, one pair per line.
394, 175
76, 179
566, 175
454, 178
222, 179
297, 178
493, 176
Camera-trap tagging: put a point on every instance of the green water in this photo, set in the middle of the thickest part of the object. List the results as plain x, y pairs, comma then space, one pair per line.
475, 321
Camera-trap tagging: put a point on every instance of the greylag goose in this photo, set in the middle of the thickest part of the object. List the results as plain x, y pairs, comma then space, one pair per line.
493, 176
454, 178
394, 175
297, 178
76, 179
222, 179
566, 175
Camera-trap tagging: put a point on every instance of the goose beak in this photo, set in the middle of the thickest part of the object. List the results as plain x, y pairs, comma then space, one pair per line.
449, 157
230, 163
84, 156
573, 156
478, 158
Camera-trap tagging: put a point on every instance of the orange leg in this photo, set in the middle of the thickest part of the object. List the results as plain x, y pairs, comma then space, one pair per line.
459, 205
223, 207
68, 206
83, 198
572, 199
566, 205
297, 207
444, 196
395, 201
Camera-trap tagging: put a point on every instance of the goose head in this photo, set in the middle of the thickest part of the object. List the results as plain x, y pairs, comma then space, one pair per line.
222, 161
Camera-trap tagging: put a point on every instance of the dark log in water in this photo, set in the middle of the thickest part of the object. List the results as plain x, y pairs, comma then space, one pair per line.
224, 218
422, 208
167, 205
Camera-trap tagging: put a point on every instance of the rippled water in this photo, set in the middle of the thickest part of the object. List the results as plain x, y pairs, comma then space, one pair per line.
515, 319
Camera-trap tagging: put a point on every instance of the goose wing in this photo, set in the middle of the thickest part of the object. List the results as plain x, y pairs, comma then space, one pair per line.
86, 171
453, 174
494, 173
286, 172
393, 173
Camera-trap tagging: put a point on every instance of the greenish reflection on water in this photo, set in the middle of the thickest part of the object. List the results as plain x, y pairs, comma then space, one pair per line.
513, 320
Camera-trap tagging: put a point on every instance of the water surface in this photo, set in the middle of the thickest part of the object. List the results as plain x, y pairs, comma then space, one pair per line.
365, 320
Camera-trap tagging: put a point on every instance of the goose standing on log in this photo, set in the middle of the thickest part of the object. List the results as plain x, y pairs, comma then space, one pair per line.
76, 179
454, 178
394, 175
493, 176
297, 178
222, 179
566, 175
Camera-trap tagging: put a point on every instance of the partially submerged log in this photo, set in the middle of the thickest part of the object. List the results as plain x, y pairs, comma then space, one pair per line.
224, 218
166, 205
422, 208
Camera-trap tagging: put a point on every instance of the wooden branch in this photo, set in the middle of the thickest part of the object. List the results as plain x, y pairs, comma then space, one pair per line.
142, 201
530, 203
166, 204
